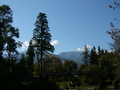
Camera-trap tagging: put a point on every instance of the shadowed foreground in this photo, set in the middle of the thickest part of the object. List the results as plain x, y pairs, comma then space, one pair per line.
33, 83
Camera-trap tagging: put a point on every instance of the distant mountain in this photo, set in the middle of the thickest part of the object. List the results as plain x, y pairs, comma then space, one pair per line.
63, 59
73, 55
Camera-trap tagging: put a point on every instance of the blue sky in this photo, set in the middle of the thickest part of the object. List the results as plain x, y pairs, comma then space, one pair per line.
72, 23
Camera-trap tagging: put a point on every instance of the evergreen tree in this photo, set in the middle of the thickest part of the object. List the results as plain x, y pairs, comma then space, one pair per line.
93, 56
1, 47
106, 52
86, 55
42, 38
30, 57
22, 60
21, 69
99, 50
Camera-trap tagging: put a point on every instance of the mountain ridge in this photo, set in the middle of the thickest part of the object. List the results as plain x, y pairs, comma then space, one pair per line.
70, 55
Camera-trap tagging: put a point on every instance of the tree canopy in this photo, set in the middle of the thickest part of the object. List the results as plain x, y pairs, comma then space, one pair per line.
42, 37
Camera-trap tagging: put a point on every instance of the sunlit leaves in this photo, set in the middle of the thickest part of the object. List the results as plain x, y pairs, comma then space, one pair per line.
108, 32
116, 4
111, 24
115, 35
110, 6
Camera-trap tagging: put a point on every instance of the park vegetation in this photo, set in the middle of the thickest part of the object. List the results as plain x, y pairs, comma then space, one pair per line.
16, 74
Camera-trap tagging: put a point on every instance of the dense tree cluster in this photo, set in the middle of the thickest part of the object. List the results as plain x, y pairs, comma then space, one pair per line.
25, 69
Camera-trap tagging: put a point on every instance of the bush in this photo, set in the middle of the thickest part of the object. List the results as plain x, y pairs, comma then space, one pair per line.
91, 79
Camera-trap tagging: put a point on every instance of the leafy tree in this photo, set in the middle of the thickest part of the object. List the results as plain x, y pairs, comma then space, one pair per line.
22, 60
82, 66
106, 65
70, 66
93, 56
21, 69
86, 55
30, 57
42, 38
3, 70
57, 64
114, 56
1, 47
53, 65
49, 65
79, 77
8, 32
35, 69
90, 79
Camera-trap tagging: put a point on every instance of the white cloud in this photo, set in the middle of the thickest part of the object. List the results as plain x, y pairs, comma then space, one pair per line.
88, 46
110, 50
23, 47
55, 42
79, 49
26, 43
83, 48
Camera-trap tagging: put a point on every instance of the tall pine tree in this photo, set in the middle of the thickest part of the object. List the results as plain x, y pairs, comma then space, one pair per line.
42, 38
86, 55
30, 57
93, 56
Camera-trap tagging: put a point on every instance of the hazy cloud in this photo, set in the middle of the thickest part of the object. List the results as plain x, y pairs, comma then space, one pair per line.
110, 50
26, 43
88, 46
23, 47
55, 42
79, 49
83, 48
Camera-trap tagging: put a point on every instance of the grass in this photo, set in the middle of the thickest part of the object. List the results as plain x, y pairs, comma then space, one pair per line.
24, 83
109, 86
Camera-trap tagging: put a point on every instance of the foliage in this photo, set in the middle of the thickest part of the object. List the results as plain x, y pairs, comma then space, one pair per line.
117, 5
93, 56
42, 38
82, 66
106, 64
7, 35
21, 70
53, 64
86, 55
114, 56
30, 57
35, 69
1, 46
70, 66
90, 79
